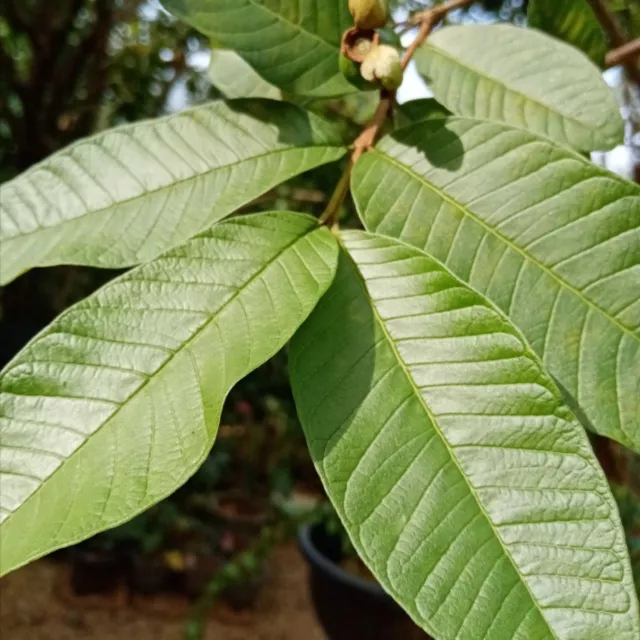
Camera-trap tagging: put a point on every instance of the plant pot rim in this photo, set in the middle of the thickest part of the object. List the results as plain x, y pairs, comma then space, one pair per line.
317, 559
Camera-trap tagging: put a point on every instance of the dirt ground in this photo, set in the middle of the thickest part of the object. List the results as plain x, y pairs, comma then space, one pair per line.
34, 605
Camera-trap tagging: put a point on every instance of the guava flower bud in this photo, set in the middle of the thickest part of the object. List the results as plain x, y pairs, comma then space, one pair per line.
382, 65
369, 14
351, 71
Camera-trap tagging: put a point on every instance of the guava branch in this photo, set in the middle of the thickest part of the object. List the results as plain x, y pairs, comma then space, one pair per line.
427, 20
626, 54
617, 35
439, 11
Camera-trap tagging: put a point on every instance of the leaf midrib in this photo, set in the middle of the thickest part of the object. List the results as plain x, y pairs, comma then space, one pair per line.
154, 376
434, 423
548, 270
298, 29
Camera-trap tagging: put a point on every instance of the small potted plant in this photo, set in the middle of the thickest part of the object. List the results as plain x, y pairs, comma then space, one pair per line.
245, 581
348, 601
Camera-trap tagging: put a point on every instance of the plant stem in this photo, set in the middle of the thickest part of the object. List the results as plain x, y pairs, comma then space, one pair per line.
427, 20
426, 27
333, 208
439, 11
626, 54
616, 34
361, 144
609, 22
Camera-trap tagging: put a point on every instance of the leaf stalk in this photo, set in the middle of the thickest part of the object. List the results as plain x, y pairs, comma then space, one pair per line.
427, 20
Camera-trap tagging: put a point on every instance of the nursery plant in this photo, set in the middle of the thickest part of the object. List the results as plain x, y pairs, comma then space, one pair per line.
447, 361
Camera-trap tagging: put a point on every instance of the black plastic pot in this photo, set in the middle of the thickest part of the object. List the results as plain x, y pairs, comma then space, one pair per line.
348, 607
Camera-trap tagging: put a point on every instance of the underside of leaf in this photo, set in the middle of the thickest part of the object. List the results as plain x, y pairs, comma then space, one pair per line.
117, 403
469, 489
523, 78
551, 239
125, 196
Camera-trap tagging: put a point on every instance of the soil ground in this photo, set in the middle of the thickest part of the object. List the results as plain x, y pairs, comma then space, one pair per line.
34, 605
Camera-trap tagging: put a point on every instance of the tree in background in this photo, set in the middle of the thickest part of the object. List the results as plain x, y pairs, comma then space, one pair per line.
67, 69
72, 67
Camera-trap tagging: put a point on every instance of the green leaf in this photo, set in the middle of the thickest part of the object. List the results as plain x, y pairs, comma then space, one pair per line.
237, 79
125, 196
117, 403
572, 21
550, 238
293, 44
468, 488
524, 78
628, 14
